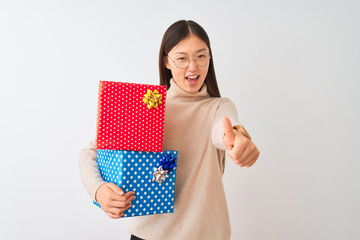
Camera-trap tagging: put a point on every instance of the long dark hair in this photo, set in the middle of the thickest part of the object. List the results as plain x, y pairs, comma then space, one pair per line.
175, 34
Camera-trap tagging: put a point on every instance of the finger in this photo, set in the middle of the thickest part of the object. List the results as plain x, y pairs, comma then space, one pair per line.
119, 210
254, 160
113, 215
248, 153
115, 188
130, 199
126, 208
229, 135
249, 159
122, 204
129, 194
251, 163
124, 197
236, 153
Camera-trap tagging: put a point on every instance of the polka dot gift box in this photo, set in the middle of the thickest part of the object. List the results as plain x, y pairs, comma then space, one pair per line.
151, 175
130, 116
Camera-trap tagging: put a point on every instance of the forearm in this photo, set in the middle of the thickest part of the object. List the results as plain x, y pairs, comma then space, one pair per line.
89, 170
226, 109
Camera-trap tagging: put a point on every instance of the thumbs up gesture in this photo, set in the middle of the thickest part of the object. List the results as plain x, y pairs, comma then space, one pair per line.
239, 146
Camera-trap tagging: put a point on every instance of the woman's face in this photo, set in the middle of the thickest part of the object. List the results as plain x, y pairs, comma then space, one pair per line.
191, 78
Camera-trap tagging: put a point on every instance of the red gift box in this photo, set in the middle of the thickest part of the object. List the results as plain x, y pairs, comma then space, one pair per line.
130, 116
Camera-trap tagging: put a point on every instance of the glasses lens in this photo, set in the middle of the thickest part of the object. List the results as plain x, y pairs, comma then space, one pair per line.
201, 59
182, 62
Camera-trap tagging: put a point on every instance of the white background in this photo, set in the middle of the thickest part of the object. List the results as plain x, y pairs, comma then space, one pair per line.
291, 68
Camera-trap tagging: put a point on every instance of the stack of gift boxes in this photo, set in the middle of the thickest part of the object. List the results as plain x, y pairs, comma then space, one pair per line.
129, 142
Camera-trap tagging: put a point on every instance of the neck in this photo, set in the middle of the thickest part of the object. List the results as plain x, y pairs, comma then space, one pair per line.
177, 93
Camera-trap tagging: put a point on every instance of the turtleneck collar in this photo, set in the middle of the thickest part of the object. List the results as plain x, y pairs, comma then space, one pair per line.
176, 93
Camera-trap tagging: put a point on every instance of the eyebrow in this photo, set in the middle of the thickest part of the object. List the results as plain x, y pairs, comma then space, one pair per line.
200, 50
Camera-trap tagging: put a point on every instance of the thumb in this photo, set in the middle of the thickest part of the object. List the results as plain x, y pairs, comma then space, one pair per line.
116, 189
228, 131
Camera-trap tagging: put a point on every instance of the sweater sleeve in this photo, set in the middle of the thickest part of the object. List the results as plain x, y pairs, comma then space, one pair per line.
225, 108
89, 170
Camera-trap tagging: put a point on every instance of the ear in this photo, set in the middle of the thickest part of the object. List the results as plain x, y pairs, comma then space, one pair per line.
166, 63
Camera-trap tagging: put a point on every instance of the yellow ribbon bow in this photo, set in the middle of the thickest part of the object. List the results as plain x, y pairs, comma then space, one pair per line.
152, 99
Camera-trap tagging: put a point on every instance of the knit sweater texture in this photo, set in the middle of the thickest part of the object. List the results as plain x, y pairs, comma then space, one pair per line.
193, 127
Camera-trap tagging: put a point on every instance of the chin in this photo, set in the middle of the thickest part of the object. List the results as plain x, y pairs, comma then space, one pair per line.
188, 87
194, 88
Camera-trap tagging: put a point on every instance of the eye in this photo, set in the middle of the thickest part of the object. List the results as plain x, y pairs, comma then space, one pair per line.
200, 56
181, 59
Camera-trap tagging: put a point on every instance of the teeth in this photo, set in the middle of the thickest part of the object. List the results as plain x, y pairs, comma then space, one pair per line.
192, 77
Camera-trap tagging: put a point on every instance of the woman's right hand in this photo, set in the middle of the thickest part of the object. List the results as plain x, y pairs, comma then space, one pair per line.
113, 200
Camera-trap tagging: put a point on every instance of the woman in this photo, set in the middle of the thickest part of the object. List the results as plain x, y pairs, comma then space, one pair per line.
200, 125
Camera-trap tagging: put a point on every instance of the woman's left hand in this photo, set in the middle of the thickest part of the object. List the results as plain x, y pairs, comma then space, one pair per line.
241, 149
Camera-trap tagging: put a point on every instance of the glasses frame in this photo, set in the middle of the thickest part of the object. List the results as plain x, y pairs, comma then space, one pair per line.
189, 61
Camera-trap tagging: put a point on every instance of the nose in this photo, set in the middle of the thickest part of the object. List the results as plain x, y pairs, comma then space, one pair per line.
192, 65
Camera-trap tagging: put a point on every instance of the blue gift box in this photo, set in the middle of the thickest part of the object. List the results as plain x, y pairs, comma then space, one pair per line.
134, 171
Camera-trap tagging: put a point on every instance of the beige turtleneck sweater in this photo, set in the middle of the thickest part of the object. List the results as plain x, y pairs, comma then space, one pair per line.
193, 127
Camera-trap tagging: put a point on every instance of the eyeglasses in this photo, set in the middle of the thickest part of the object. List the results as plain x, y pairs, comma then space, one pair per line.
182, 62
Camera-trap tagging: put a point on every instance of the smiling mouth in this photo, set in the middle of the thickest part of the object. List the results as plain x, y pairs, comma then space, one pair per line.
192, 79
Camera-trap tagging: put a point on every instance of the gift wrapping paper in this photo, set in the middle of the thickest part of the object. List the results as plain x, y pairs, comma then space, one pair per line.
130, 116
134, 171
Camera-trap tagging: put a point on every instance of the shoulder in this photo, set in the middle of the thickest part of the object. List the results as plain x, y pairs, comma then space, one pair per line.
226, 101
222, 102
218, 105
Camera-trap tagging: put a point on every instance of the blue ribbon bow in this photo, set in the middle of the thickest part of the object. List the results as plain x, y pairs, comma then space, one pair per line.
167, 162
